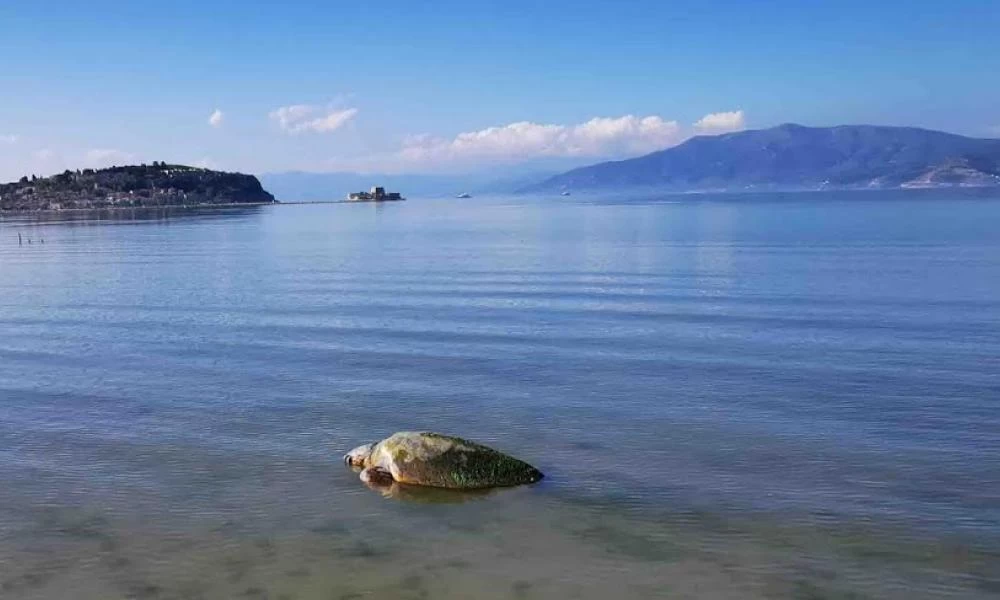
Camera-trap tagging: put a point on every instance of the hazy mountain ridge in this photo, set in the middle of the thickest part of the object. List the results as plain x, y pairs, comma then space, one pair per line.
793, 156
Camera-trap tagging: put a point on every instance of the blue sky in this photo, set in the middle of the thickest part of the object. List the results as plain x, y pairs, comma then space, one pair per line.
458, 86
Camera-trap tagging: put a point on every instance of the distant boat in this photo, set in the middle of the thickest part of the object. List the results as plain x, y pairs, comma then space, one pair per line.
464, 195
564, 194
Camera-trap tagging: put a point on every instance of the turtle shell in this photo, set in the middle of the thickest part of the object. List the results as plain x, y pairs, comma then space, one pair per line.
432, 459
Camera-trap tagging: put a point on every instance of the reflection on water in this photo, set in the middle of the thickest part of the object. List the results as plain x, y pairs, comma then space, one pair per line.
33, 221
388, 488
428, 495
729, 398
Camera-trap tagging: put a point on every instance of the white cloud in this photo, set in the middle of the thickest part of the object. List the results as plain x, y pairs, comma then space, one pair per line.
601, 137
106, 157
9, 139
301, 118
215, 119
44, 154
721, 122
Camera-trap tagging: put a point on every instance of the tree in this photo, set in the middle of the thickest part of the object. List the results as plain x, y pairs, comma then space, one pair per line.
23, 179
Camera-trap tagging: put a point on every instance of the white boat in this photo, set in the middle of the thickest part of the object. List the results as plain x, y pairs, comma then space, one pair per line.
464, 195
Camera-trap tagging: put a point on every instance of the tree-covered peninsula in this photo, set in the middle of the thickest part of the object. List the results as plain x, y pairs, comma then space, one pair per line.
159, 184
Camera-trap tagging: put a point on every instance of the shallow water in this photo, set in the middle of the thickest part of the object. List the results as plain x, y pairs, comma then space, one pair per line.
786, 396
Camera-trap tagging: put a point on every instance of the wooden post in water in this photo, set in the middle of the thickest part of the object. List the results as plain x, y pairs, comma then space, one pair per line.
20, 242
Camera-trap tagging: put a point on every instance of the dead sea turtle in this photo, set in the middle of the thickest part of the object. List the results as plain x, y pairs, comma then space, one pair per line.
435, 460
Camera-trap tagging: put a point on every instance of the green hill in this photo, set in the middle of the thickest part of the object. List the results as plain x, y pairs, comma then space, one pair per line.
158, 184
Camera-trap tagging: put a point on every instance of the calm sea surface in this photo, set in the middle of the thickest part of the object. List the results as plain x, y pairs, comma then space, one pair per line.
790, 396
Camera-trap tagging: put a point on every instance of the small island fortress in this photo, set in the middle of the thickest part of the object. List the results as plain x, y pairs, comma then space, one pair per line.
377, 194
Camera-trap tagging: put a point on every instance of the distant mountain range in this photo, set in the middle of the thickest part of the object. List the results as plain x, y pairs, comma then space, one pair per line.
796, 157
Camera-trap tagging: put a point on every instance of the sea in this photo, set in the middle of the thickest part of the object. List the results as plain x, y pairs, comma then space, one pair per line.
731, 397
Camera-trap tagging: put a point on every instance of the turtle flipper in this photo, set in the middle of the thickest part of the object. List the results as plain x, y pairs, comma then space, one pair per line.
376, 476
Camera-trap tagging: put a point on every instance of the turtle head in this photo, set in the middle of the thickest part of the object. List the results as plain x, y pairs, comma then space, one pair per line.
359, 456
